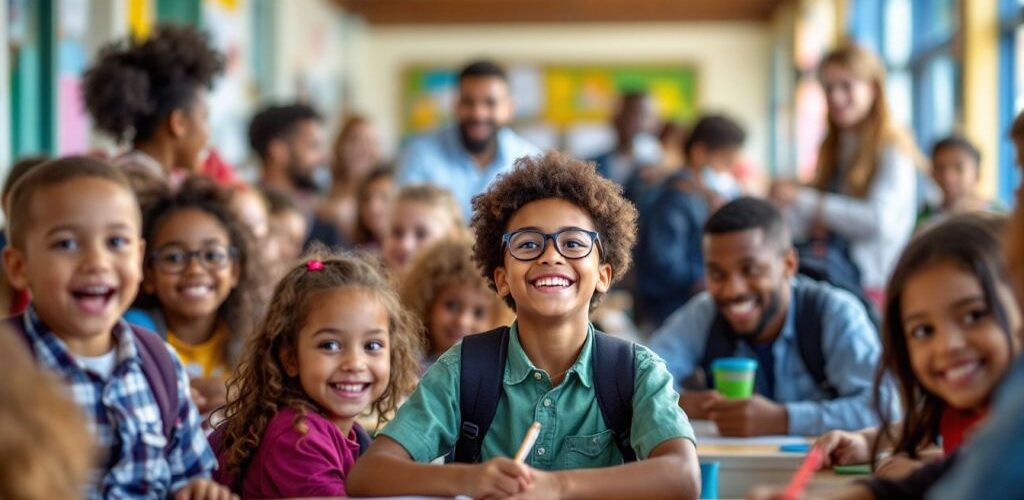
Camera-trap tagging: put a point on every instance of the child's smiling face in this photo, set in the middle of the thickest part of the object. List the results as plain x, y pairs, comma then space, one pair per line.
81, 260
461, 308
343, 356
552, 286
957, 349
191, 286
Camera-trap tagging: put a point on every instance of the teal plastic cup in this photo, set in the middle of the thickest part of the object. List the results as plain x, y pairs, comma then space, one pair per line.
734, 377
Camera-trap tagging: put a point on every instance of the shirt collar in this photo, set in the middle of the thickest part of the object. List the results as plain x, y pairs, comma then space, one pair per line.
454, 140
519, 367
45, 341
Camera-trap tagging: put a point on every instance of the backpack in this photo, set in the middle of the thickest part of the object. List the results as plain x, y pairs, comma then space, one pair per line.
157, 367
810, 299
483, 368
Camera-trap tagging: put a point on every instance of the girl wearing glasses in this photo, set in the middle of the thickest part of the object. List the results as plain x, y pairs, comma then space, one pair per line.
198, 287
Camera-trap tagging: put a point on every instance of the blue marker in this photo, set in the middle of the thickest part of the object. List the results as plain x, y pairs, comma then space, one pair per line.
795, 448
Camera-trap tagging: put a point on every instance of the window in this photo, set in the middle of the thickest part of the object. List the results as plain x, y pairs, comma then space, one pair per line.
1011, 90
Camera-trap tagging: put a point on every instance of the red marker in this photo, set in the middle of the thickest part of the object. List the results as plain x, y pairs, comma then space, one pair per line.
804, 474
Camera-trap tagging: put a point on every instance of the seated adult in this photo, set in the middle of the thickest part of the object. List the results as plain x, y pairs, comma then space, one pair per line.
815, 348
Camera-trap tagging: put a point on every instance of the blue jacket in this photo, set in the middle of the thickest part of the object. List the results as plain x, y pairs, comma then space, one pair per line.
668, 256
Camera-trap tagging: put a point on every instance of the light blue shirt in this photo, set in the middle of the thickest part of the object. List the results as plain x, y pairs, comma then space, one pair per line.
991, 464
851, 348
439, 158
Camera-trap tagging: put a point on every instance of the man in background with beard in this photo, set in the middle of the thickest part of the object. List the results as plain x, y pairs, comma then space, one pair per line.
757, 307
289, 142
465, 157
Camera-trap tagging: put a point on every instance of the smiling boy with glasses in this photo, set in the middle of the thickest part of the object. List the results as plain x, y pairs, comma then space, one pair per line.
552, 236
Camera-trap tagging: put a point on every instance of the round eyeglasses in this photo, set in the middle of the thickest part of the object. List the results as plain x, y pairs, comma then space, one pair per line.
571, 243
175, 259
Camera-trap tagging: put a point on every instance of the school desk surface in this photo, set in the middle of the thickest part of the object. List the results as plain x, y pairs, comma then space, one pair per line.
749, 462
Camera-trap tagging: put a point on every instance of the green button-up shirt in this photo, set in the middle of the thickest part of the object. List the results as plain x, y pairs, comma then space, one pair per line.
573, 433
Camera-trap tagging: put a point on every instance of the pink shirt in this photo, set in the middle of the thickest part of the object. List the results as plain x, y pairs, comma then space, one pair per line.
288, 464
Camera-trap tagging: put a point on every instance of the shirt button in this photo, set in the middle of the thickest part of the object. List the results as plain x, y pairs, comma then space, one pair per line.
547, 402
540, 451
537, 376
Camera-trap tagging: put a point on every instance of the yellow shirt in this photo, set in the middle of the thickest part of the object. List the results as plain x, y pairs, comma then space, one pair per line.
207, 359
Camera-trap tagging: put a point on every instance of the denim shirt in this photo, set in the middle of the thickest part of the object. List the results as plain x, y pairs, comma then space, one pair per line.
992, 464
440, 159
851, 348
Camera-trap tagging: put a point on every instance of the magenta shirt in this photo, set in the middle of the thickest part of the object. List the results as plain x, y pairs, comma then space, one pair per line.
288, 464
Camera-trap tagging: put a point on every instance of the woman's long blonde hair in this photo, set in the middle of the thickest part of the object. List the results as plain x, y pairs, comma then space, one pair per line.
260, 386
877, 131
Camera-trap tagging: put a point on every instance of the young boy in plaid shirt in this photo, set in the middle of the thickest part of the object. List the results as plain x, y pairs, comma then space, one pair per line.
75, 245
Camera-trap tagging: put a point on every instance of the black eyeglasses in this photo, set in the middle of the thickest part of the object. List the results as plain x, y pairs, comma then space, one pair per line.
175, 259
571, 243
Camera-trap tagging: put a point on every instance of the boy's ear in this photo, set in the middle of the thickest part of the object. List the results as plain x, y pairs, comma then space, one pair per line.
277, 152
14, 267
791, 261
604, 277
500, 281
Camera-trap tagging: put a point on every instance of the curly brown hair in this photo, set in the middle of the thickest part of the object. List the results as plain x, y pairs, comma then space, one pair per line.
243, 304
446, 262
554, 175
260, 386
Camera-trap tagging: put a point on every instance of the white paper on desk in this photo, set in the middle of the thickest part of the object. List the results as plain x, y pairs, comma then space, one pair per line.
707, 433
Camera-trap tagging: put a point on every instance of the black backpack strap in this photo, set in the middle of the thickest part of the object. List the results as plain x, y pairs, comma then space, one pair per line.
363, 438
614, 369
158, 367
811, 298
483, 367
721, 343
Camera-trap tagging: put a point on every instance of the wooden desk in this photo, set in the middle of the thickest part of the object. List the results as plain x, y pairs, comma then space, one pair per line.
746, 463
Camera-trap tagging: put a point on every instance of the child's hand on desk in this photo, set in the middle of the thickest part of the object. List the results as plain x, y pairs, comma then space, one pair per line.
694, 403
754, 416
546, 485
897, 467
844, 448
497, 478
204, 489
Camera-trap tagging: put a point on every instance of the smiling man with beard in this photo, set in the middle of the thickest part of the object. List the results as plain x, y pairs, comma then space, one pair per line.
815, 347
466, 157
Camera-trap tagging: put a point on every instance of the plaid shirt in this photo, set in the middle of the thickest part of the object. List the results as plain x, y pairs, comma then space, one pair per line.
125, 419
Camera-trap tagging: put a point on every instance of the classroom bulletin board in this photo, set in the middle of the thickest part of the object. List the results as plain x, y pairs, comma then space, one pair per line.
556, 96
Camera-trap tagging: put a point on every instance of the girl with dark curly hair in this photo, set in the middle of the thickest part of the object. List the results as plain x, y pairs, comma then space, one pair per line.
335, 343
151, 93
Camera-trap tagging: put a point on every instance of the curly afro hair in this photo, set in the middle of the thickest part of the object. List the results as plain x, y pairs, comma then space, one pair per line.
553, 175
136, 83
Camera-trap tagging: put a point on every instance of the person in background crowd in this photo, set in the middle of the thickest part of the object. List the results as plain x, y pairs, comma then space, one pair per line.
152, 93
466, 157
354, 155
860, 211
289, 142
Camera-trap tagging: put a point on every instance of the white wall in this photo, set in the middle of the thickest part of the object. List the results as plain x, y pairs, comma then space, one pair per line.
732, 58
